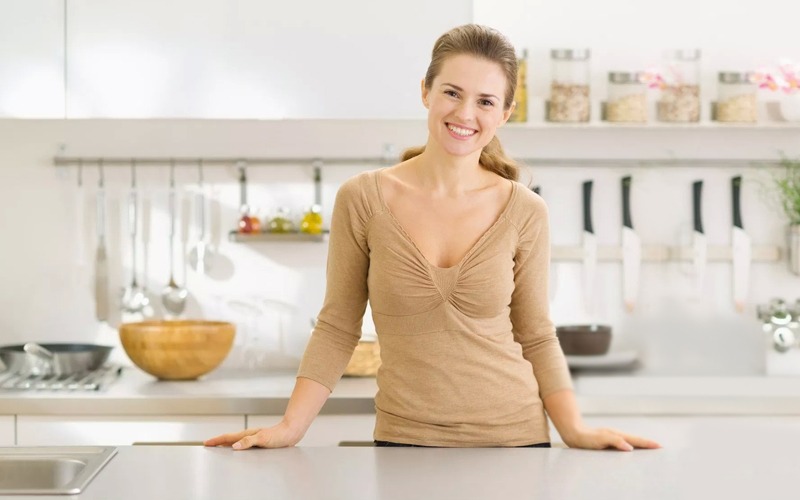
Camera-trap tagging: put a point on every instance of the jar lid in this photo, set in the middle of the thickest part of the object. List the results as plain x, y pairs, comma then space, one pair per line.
624, 77
736, 76
683, 54
570, 54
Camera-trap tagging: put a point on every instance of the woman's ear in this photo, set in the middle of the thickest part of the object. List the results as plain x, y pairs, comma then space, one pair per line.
507, 113
424, 92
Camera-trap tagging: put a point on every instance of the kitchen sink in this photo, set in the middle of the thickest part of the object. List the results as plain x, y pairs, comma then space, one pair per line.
63, 470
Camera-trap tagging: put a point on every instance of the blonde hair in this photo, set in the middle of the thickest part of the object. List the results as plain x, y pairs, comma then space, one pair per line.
489, 44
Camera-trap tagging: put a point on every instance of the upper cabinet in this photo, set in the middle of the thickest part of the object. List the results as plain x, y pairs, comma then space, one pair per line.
31, 59
348, 59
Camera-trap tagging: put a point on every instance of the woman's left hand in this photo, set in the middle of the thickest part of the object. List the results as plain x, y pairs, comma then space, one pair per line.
604, 438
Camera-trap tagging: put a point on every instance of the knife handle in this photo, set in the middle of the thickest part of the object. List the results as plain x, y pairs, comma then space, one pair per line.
587, 206
537, 189
697, 199
626, 202
736, 189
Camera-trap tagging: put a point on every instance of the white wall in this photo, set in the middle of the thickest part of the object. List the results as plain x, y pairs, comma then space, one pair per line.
46, 291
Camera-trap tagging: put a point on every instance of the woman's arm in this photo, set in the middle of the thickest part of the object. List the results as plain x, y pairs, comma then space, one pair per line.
305, 403
563, 410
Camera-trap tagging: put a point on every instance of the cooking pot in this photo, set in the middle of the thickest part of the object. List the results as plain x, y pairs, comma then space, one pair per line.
584, 340
68, 359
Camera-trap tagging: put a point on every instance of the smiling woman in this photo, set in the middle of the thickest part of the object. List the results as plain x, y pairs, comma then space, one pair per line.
452, 254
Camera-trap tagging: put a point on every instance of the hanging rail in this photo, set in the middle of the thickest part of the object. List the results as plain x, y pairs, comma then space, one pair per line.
567, 162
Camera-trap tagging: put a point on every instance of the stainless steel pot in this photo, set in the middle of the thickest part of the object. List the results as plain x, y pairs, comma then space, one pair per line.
68, 359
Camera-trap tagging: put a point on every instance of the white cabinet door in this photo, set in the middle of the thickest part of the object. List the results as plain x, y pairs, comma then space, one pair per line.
326, 430
7, 431
121, 430
32, 59
253, 59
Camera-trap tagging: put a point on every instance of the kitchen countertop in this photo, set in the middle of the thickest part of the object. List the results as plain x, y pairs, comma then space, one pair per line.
703, 460
246, 392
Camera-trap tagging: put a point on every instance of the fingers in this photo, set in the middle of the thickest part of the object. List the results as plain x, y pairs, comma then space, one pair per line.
627, 442
259, 439
230, 439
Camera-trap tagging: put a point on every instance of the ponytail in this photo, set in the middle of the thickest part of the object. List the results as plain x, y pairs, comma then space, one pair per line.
493, 158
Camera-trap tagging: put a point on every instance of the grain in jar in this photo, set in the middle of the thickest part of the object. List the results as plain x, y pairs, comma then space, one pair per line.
627, 97
736, 97
569, 88
680, 92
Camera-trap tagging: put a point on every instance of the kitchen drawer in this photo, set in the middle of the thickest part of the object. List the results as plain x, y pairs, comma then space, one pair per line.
120, 431
7, 431
682, 432
326, 430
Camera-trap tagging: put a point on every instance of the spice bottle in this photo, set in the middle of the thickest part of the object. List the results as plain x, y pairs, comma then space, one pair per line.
569, 87
281, 223
520, 113
736, 97
680, 93
312, 220
627, 97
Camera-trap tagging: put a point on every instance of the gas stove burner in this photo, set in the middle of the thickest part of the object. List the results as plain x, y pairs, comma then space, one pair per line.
95, 380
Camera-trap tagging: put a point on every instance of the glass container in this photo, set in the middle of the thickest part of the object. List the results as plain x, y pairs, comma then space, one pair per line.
569, 86
680, 92
736, 97
627, 97
520, 112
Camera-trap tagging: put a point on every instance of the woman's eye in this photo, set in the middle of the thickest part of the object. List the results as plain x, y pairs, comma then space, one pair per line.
487, 102
451, 93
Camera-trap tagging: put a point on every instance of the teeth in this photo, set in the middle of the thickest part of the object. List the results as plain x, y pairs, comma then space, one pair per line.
461, 131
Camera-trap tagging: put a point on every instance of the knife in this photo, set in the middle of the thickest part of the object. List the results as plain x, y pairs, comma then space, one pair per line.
631, 250
700, 250
589, 247
101, 258
742, 248
553, 277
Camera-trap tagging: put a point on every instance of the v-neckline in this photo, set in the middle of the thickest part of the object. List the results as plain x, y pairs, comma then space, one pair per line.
469, 252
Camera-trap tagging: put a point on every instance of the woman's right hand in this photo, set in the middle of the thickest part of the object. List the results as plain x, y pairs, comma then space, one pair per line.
277, 436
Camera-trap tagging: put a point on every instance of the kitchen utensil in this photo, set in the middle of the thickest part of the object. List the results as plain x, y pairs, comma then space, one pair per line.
68, 358
589, 248
584, 340
202, 254
134, 300
742, 248
173, 296
146, 209
177, 350
101, 259
700, 245
80, 222
631, 250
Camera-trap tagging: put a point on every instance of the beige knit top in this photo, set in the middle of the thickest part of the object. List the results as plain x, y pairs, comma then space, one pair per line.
468, 352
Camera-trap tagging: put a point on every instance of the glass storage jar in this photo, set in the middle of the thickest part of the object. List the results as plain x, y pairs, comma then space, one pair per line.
736, 97
520, 112
680, 91
569, 87
627, 97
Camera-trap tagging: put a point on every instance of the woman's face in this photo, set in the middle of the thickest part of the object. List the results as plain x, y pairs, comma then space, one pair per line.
465, 104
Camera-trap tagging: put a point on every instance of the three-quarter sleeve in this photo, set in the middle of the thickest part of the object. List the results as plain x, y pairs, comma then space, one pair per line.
530, 315
338, 326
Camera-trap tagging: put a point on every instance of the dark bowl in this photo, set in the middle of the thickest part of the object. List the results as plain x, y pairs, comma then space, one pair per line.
584, 340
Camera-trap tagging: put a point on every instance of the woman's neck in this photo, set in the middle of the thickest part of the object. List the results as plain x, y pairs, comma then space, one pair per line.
443, 174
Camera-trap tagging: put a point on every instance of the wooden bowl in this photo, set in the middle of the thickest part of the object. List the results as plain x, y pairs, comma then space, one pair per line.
365, 361
177, 350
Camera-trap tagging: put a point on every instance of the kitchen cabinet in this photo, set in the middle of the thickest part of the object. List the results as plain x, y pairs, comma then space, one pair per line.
326, 430
253, 59
32, 59
66, 430
7, 431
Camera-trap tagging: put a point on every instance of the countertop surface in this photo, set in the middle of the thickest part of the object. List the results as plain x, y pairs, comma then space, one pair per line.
246, 392
701, 460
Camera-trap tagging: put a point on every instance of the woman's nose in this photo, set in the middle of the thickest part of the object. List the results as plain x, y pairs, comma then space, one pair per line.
465, 111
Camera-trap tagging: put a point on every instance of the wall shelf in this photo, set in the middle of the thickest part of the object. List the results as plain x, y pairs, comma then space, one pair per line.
238, 237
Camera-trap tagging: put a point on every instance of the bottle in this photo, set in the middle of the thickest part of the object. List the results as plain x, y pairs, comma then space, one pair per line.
736, 98
281, 223
520, 113
569, 86
680, 94
312, 220
245, 222
627, 97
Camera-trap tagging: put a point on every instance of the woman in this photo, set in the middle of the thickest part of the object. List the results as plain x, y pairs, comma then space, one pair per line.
453, 255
